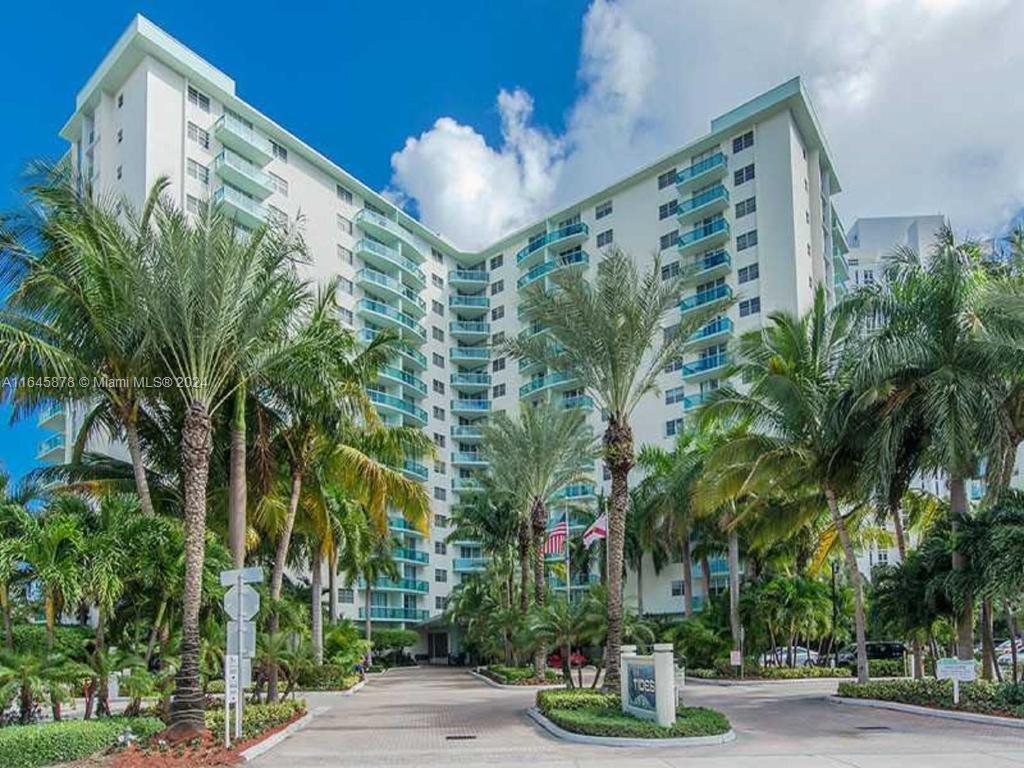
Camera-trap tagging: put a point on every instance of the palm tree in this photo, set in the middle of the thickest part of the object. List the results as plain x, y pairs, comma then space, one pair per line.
611, 337
532, 459
561, 625
376, 562
14, 521
803, 422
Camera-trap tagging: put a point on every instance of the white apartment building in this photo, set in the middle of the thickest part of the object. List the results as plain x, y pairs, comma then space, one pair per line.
744, 211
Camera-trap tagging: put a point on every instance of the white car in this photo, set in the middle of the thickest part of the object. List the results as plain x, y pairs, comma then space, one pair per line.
802, 657
1004, 647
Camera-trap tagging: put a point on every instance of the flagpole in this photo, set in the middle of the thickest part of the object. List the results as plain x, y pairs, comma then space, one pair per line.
568, 566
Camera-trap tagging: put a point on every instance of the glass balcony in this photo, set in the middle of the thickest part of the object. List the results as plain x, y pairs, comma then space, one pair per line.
702, 172
416, 359
705, 366
565, 236
707, 267
577, 401
474, 407
544, 382
51, 415
385, 257
467, 433
469, 564
706, 235
471, 357
579, 581
576, 491
703, 204
694, 401
704, 298
468, 459
397, 406
417, 586
244, 174
388, 288
551, 266
403, 525
469, 306
414, 470
387, 613
466, 484
410, 555
245, 210
468, 329
389, 231
714, 331
236, 134
468, 278
471, 381
388, 316
405, 379
51, 449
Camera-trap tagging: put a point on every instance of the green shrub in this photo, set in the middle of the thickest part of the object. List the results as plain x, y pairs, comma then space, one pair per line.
695, 643
327, 677
258, 718
68, 640
386, 640
983, 696
770, 673
344, 645
885, 668
29, 746
603, 716
512, 675
575, 699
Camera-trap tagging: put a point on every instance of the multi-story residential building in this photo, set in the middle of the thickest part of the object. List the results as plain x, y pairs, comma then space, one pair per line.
742, 212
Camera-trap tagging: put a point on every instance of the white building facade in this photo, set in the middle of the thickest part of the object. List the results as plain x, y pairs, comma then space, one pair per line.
743, 212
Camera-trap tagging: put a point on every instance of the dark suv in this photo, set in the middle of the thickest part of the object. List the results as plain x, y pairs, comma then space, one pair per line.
876, 650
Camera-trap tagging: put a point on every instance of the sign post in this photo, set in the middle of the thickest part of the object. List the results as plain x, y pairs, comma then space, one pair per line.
648, 684
241, 603
956, 670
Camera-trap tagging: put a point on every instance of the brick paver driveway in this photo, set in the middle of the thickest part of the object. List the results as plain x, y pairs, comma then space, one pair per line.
425, 717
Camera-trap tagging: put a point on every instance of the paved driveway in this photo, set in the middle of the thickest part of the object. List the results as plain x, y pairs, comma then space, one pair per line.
443, 717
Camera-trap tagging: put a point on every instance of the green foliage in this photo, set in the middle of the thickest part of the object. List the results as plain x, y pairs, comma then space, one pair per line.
981, 696
69, 641
575, 699
726, 672
600, 714
29, 746
327, 677
695, 643
258, 718
507, 675
886, 668
385, 640
343, 645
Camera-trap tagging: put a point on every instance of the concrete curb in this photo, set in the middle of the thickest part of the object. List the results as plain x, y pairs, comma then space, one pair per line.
615, 741
496, 684
262, 747
913, 709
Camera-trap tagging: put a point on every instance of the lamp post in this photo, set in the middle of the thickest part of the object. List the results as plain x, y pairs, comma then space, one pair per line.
835, 616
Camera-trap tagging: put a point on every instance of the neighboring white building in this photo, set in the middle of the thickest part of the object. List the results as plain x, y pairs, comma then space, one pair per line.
871, 240
744, 211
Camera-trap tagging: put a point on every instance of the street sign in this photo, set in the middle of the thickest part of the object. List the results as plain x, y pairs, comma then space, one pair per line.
735, 658
252, 575
245, 672
956, 670
231, 679
241, 602
242, 639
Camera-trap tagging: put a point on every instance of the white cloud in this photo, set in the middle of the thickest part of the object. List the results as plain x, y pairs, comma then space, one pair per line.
919, 99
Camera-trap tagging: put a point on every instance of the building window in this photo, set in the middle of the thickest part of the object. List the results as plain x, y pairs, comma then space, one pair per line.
674, 365
497, 261
440, 467
440, 548
281, 153
198, 135
344, 224
120, 100
438, 386
197, 99
440, 494
666, 210
745, 207
437, 281
678, 588
440, 521
439, 439
743, 142
498, 365
197, 171
193, 204
869, 277
668, 271
603, 209
669, 239
672, 427
604, 238
436, 333
345, 254
497, 287
667, 179
750, 306
346, 285
746, 240
673, 396
280, 185
499, 391
438, 360
436, 255
343, 193
743, 175
346, 595
440, 602
346, 315
120, 135
748, 273
438, 413
437, 308
498, 312
440, 575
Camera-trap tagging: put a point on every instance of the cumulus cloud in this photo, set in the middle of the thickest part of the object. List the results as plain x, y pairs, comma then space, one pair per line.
919, 100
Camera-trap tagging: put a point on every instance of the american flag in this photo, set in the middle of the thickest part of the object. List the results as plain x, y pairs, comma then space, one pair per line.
556, 539
597, 530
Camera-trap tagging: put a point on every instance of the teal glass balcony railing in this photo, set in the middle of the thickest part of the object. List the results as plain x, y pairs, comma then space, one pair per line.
694, 401
578, 401
717, 227
466, 432
50, 445
390, 256
466, 484
244, 173
51, 411
412, 555
714, 261
718, 293
406, 378
399, 585
543, 382
468, 457
469, 302
387, 613
384, 400
469, 328
716, 163
470, 379
716, 195
468, 276
576, 491
706, 364
386, 310
716, 327
553, 265
233, 132
387, 228
247, 210
401, 524
471, 405
470, 354
575, 229
372, 277
366, 335
469, 564
417, 471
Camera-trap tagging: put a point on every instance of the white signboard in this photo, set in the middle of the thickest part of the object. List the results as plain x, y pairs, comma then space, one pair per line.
735, 658
241, 639
253, 575
231, 679
956, 670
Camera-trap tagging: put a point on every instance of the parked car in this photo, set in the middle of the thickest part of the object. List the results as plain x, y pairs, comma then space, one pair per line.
877, 649
802, 657
1004, 647
576, 659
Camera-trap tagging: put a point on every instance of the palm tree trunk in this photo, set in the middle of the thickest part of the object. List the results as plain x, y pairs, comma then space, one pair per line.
687, 577
50, 614
640, 586
187, 705
524, 565
317, 610
102, 683
733, 561
965, 615
705, 569
853, 574
897, 523
619, 458
1011, 625
277, 573
131, 429
332, 586
5, 606
155, 629
539, 523
237, 481
369, 621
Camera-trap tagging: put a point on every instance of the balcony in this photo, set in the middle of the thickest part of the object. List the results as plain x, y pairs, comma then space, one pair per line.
467, 433
383, 228
716, 295
714, 232
388, 316
542, 383
702, 172
470, 357
553, 265
692, 402
236, 134
385, 257
579, 581
707, 267
469, 564
576, 492
52, 416
51, 449
469, 330
406, 380
471, 407
244, 174
404, 526
716, 331
386, 403
705, 367
410, 555
566, 236
415, 359
466, 484
468, 459
387, 613
577, 401
416, 586
385, 287
468, 278
413, 470
245, 210
705, 203
469, 306
471, 382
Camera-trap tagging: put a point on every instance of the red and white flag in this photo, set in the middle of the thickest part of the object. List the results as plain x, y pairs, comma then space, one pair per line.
556, 539
597, 530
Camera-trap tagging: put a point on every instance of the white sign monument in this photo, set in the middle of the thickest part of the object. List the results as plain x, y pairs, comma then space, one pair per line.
648, 684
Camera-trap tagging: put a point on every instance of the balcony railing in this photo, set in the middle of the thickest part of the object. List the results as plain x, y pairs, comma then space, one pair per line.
717, 194
471, 354
553, 265
576, 491
468, 276
470, 379
385, 400
242, 137
543, 382
471, 405
469, 564
401, 524
569, 230
51, 444
717, 227
469, 302
466, 484
718, 293
715, 261
366, 246
469, 327
248, 210
375, 278
386, 613
398, 585
412, 555
415, 470
466, 432
406, 378
366, 335
386, 310
372, 220
577, 401
717, 326
716, 163
706, 364
694, 401
468, 457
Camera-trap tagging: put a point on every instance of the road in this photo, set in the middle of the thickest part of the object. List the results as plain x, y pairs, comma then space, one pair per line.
444, 717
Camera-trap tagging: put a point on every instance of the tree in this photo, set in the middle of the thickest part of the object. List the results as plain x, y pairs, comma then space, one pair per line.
376, 562
14, 521
609, 335
560, 624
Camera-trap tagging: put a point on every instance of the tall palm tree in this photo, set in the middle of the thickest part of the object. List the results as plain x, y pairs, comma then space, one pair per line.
532, 459
803, 422
375, 562
614, 336
14, 521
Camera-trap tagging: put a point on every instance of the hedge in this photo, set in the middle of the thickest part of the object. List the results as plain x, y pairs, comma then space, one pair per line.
29, 746
772, 673
885, 668
982, 696
327, 677
258, 718
68, 640
518, 675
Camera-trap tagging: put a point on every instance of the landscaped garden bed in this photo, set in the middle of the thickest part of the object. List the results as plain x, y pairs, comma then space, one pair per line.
506, 675
981, 697
29, 746
592, 713
876, 668
327, 677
